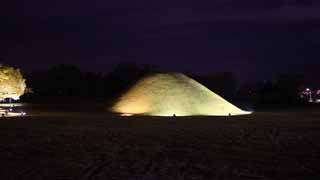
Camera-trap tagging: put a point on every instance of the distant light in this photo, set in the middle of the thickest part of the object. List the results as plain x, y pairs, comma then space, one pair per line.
307, 89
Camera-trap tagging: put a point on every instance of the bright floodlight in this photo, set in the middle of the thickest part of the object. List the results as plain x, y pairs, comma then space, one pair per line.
168, 94
12, 83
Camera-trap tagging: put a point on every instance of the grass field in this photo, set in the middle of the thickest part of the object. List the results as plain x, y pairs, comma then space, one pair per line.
60, 144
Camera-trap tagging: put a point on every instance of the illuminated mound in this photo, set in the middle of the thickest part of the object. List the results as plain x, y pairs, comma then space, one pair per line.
166, 94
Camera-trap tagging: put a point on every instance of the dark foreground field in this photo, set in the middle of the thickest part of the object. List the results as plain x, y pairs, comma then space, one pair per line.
74, 145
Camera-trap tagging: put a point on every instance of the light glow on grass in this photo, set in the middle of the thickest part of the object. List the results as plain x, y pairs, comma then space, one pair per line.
4, 113
126, 114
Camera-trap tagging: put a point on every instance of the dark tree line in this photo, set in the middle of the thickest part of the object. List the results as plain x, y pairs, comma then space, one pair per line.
282, 91
68, 83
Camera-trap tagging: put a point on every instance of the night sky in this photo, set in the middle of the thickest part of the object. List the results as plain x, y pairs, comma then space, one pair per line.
252, 38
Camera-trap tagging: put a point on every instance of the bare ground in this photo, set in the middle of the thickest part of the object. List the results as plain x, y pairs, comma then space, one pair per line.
88, 145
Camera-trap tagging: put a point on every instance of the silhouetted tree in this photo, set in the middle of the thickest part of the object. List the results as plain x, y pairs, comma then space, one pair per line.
282, 91
123, 76
65, 80
93, 85
57, 82
224, 83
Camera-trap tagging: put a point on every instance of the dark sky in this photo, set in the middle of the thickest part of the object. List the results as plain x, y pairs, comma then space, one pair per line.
252, 38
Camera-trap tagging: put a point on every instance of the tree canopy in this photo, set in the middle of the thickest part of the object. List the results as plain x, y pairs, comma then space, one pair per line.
12, 83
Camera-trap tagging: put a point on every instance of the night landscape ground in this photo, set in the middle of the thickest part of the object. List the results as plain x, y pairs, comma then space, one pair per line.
52, 143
